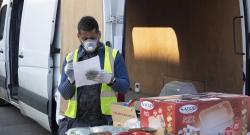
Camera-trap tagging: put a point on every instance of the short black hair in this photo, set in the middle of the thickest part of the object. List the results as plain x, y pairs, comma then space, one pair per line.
88, 23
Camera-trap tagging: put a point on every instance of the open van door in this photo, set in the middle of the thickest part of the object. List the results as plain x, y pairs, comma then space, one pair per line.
114, 23
113, 14
4, 17
35, 72
246, 5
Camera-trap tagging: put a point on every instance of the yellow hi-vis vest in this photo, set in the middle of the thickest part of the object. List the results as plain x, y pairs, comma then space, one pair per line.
108, 95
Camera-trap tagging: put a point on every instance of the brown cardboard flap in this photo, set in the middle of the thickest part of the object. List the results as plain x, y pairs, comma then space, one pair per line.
120, 114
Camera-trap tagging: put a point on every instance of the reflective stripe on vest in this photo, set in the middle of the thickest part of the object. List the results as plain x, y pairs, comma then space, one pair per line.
72, 104
108, 95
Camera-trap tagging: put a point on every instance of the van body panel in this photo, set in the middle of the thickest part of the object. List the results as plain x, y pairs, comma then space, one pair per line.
243, 29
5, 15
37, 33
41, 118
35, 72
246, 5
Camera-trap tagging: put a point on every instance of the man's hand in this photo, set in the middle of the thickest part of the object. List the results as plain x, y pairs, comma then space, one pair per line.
99, 76
69, 71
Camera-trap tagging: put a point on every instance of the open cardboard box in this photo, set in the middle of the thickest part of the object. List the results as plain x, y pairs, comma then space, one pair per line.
121, 114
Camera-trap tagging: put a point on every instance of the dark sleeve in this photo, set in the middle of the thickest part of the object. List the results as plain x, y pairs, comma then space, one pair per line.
65, 87
121, 84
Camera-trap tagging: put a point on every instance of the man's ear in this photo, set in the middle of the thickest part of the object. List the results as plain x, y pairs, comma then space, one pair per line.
78, 35
99, 35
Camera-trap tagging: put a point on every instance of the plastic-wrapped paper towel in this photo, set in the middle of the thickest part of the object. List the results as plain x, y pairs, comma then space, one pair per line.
177, 88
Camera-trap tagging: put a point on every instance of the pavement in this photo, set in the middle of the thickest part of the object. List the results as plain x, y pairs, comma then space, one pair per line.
12, 122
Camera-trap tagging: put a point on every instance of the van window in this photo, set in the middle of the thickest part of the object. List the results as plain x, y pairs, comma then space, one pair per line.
2, 20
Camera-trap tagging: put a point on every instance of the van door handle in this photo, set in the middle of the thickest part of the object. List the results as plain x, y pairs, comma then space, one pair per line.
20, 56
1, 51
234, 35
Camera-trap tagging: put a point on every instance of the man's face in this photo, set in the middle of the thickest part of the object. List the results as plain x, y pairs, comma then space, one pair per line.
84, 35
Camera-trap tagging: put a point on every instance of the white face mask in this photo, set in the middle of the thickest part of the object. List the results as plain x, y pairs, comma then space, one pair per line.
89, 45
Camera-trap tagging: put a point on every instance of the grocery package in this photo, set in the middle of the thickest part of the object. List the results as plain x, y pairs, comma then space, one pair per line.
110, 130
177, 88
99, 130
197, 114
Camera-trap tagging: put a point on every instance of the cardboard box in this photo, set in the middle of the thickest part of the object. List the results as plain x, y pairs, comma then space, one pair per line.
121, 114
201, 114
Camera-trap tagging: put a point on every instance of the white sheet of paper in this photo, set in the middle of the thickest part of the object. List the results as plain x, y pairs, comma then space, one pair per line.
118, 43
82, 67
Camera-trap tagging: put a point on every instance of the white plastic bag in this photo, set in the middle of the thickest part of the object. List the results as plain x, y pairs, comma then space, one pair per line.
78, 131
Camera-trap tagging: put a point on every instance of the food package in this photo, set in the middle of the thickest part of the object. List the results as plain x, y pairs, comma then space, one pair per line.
99, 130
198, 114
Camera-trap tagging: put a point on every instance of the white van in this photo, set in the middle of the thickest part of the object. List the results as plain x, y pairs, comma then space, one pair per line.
30, 47
29, 52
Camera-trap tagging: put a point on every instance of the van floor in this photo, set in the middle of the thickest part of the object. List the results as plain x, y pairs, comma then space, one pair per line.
12, 122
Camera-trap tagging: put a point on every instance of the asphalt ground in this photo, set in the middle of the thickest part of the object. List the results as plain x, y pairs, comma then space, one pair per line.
12, 122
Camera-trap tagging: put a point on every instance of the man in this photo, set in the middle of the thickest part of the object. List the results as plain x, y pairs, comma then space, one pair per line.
89, 105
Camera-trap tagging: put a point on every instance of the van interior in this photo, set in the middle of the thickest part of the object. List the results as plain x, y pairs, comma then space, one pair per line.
15, 22
197, 41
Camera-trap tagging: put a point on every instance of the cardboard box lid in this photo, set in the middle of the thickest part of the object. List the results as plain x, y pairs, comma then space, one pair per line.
120, 114
209, 96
